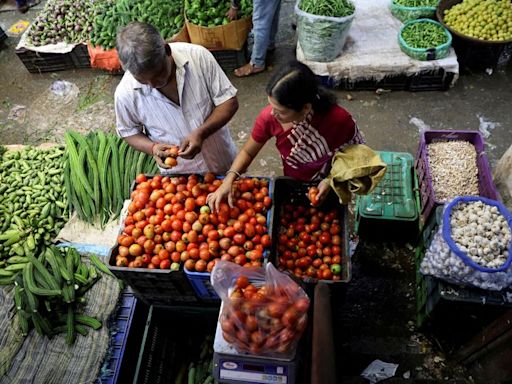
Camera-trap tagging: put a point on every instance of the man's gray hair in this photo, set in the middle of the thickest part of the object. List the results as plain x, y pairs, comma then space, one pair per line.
140, 48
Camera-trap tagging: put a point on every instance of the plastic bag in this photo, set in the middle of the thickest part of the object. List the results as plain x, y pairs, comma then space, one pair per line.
102, 59
405, 14
472, 249
264, 311
321, 38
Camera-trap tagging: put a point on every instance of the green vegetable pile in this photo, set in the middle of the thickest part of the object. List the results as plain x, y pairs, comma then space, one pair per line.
331, 8
481, 19
164, 15
49, 293
99, 174
417, 3
211, 13
199, 370
68, 21
424, 35
33, 204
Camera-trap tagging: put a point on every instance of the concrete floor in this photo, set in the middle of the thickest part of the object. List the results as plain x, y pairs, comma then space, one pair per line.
376, 318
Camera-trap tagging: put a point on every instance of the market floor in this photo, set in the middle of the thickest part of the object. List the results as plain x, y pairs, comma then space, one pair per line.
375, 317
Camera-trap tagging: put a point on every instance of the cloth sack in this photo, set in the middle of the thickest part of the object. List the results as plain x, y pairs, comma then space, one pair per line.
356, 169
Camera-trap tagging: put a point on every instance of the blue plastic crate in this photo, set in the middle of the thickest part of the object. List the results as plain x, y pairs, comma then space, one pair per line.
121, 327
200, 281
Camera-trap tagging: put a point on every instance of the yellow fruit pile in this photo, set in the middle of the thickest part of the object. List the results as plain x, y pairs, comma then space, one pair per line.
481, 19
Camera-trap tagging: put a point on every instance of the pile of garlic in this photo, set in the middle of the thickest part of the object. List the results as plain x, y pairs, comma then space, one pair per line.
484, 235
481, 232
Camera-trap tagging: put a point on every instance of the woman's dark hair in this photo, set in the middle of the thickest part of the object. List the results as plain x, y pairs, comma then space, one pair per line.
294, 85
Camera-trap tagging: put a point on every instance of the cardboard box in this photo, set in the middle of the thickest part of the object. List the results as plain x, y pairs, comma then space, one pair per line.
231, 36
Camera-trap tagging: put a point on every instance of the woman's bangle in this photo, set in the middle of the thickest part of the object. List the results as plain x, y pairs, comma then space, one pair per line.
235, 172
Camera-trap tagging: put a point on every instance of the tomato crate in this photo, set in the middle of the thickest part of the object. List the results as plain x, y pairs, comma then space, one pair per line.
391, 210
130, 317
154, 286
428, 200
201, 280
288, 190
172, 338
444, 307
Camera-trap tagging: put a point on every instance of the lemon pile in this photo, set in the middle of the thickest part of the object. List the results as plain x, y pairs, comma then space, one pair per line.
482, 19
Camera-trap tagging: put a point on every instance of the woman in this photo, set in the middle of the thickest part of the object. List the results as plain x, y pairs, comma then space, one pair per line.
308, 125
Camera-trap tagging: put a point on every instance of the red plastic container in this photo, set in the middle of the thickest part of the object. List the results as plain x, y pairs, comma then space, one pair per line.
428, 200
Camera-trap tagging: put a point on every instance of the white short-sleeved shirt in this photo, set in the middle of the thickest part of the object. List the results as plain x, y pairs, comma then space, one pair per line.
202, 85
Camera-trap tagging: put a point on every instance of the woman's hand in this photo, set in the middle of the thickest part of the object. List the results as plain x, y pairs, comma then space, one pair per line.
225, 190
323, 191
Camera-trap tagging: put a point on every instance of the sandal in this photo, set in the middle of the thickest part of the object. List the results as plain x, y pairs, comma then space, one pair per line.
248, 70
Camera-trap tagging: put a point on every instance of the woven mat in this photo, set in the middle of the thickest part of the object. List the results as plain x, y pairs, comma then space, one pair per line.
39, 360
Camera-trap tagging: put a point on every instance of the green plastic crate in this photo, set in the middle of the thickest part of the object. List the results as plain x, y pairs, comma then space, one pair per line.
396, 199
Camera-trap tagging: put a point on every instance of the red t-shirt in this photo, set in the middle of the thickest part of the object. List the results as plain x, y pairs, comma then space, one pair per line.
309, 145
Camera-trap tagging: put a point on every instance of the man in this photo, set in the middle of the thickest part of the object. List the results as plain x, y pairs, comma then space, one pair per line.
265, 19
174, 94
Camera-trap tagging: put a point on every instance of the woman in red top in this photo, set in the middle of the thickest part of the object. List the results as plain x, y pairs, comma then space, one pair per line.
308, 125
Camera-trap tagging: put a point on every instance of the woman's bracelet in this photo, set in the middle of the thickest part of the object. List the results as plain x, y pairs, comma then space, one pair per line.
235, 172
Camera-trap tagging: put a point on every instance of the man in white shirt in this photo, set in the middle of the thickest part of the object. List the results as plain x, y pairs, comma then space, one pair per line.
174, 94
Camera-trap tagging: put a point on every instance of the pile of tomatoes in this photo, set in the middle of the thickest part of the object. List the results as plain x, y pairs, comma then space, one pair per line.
309, 242
264, 319
169, 224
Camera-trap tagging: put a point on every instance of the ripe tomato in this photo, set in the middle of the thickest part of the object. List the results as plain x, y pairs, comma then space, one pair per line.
190, 264
200, 265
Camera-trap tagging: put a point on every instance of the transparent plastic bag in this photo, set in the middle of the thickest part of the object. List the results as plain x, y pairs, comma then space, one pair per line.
264, 312
321, 38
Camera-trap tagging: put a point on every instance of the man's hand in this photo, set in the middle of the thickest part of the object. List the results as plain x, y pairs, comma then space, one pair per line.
159, 154
232, 14
191, 146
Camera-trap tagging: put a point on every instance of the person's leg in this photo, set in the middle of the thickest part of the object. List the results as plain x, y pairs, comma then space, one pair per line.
262, 18
273, 30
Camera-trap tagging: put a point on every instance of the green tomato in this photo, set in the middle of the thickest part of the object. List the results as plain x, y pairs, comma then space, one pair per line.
336, 269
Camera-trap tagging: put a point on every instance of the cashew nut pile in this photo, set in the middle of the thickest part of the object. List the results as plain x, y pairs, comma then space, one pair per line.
453, 169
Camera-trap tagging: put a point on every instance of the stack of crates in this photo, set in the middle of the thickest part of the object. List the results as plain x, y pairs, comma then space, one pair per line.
454, 312
392, 208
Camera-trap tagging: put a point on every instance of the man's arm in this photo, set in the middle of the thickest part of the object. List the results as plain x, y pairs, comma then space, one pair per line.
219, 117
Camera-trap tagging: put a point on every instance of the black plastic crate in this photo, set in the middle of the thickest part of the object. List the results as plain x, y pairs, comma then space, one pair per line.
37, 62
172, 337
126, 329
154, 286
438, 80
288, 190
230, 60
3, 36
80, 56
443, 307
